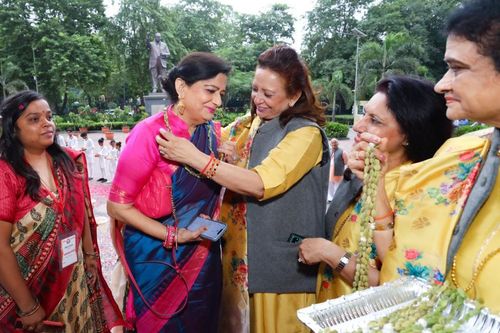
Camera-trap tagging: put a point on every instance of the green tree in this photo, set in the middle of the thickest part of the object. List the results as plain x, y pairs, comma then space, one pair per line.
54, 30
273, 26
397, 54
201, 24
328, 35
10, 84
333, 88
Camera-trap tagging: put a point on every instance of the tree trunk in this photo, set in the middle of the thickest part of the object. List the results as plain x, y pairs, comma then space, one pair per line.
65, 102
334, 105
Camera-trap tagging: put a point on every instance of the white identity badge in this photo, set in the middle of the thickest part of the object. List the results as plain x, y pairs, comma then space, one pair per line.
67, 250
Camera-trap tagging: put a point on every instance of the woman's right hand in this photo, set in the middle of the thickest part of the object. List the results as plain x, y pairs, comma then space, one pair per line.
185, 236
228, 148
356, 158
34, 322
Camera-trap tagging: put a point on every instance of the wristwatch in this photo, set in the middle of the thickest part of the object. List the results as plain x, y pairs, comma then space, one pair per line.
344, 260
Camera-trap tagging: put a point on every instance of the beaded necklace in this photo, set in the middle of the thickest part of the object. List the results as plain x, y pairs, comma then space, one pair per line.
478, 264
366, 222
190, 170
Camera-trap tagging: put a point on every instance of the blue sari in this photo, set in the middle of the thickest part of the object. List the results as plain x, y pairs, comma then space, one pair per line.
182, 294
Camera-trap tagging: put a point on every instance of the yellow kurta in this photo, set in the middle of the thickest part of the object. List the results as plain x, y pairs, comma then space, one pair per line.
346, 235
287, 163
431, 196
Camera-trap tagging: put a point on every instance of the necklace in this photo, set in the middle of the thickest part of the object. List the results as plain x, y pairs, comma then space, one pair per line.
478, 264
190, 170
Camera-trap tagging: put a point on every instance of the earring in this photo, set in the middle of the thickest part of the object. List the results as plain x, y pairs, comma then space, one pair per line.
291, 104
179, 107
405, 144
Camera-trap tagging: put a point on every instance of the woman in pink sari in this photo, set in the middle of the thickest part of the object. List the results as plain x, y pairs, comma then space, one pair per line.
50, 272
175, 277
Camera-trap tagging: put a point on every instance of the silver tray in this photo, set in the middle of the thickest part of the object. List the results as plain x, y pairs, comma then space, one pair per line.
355, 311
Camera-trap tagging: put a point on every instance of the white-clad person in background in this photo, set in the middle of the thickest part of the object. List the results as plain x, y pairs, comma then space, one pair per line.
101, 154
112, 159
88, 147
71, 140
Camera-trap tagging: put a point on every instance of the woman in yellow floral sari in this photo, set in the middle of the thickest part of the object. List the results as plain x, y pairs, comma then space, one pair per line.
50, 272
409, 120
449, 204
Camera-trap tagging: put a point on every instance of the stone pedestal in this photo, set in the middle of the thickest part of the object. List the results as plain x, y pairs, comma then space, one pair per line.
155, 102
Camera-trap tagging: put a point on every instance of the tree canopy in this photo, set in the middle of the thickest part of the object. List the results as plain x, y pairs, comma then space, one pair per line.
63, 46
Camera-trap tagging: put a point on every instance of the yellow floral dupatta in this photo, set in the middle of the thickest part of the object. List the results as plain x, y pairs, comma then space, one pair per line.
429, 200
235, 305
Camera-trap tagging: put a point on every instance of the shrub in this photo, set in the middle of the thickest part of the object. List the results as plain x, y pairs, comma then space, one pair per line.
461, 130
347, 119
336, 130
226, 118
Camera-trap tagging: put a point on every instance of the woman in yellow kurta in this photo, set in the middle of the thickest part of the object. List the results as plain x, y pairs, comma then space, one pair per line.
278, 187
403, 112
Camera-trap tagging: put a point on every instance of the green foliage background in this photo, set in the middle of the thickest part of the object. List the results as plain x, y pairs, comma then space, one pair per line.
78, 55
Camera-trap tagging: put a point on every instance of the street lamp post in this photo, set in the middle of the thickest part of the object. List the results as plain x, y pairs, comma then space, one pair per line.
358, 33
34, 69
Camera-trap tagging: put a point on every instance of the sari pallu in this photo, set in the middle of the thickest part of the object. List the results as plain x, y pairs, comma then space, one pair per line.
199, 266
64, 294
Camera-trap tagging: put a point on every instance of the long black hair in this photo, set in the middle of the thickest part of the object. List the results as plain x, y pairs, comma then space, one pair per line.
12, 150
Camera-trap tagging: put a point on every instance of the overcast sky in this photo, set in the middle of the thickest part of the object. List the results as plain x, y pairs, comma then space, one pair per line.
298, 10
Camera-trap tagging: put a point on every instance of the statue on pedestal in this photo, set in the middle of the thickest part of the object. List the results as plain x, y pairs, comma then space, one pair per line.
158, 55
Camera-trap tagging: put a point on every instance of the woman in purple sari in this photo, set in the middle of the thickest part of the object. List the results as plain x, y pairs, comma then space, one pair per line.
174, 276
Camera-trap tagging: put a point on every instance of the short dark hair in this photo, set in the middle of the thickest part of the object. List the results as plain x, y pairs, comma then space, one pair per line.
192, 68
100, 140
285, 61
83, 135
12, 150
479, 22
419, 111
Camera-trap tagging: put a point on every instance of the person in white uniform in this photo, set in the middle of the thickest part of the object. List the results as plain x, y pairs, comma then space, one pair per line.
101, 154
112, 159
88, 148
71, 140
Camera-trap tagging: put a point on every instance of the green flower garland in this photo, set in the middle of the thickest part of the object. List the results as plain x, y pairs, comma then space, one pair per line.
366, 216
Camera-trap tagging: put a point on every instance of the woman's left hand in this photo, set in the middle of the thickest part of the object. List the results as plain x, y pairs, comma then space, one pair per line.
311, 250
91, 269
175, 148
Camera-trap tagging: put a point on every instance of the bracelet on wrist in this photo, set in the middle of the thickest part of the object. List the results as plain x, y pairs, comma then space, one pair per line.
384, 227
388, 214
91, 254
34, 309
170, 237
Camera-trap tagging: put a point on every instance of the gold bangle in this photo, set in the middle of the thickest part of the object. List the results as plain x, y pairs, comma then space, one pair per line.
34, 309
384, 227
93, 255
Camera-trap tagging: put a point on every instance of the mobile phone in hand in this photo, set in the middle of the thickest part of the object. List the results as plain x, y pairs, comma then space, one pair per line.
215, 228
295, 238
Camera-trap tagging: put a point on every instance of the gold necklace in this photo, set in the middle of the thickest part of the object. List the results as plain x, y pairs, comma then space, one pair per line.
190, 170
478, 265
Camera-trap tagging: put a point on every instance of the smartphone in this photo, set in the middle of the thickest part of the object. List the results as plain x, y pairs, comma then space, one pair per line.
295, 238
215, 228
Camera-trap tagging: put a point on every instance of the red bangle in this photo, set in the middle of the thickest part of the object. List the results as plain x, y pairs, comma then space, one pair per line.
378, 218
170, 237
209, 162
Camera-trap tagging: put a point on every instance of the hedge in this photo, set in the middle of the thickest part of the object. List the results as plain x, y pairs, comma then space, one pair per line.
461, 130
336, 130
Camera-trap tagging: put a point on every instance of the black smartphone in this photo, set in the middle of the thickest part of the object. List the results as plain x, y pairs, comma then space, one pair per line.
215, 228
295, 238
